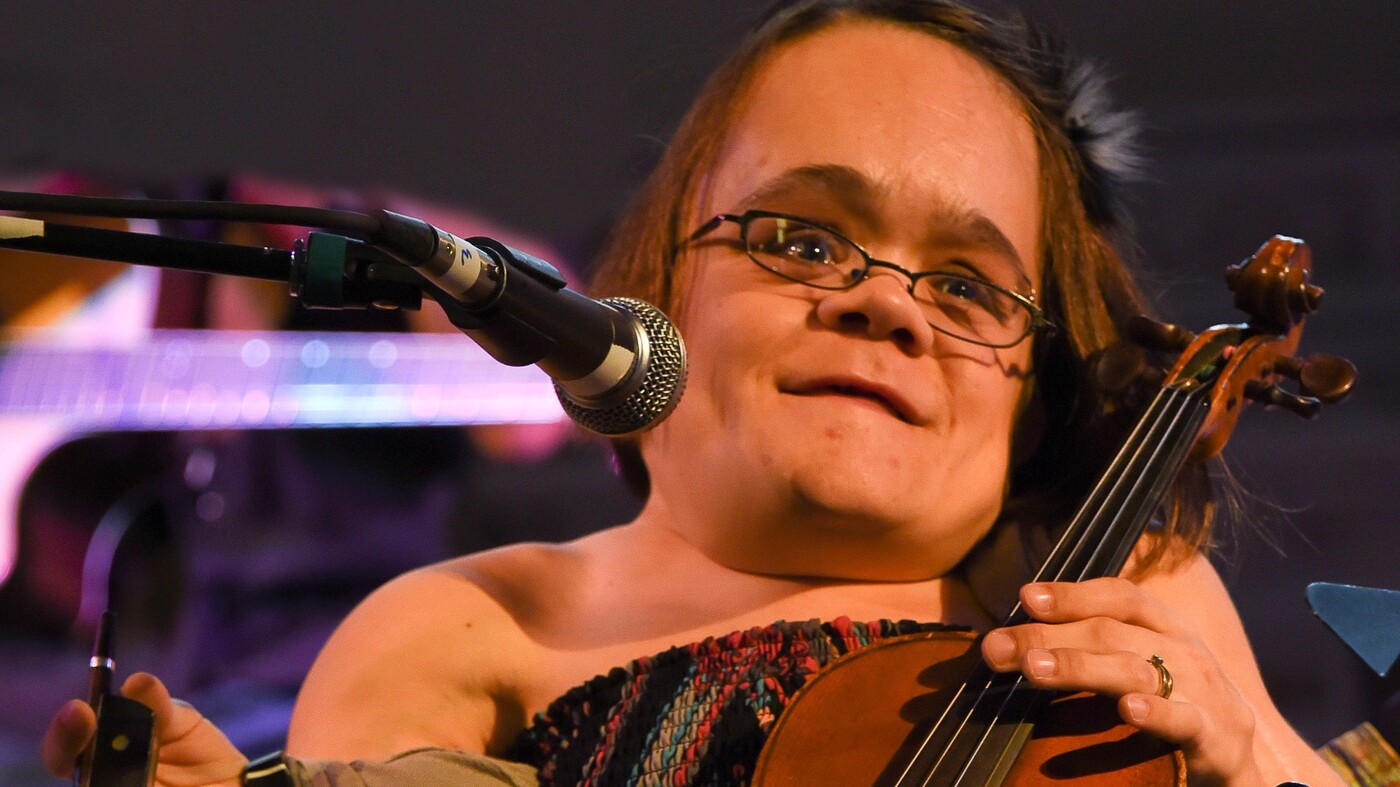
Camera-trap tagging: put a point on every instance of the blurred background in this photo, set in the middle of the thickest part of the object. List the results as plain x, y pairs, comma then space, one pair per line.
535, 122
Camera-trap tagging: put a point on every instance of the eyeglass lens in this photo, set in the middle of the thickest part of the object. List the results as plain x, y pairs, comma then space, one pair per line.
958, 304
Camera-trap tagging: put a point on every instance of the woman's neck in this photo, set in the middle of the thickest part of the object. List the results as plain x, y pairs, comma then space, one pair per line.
795, 541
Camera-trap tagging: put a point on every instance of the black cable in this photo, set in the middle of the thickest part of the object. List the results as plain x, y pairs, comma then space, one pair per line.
349, 222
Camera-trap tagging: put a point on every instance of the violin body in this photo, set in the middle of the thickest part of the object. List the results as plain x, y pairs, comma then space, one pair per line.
866, 711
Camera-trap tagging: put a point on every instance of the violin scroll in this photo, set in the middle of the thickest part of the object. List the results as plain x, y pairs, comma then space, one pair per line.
1235, 364
1273, 286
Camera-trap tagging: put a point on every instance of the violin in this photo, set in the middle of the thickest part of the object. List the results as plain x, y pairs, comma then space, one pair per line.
924, 710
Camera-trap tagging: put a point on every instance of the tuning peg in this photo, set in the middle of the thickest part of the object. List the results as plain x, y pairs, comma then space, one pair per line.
1324, 377
1288, 366
1117, 367
1327, 377
1270, 394
1155, 335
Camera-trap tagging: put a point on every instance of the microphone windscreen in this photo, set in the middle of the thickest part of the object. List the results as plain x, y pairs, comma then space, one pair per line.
661, 367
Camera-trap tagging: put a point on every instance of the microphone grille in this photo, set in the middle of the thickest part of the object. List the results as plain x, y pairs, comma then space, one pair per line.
662, 382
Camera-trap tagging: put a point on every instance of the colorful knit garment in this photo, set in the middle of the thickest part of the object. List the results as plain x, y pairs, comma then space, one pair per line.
691, 716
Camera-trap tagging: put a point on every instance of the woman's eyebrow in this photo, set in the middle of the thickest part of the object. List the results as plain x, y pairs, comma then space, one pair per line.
855, 193
860, 196
972, 227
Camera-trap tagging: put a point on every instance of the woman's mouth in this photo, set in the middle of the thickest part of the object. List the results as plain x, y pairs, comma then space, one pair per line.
859, 391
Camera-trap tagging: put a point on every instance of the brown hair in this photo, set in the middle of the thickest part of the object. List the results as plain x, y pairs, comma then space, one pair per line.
1089, 290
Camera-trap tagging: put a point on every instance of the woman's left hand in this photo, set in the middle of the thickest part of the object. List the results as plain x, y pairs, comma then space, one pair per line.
1100, 636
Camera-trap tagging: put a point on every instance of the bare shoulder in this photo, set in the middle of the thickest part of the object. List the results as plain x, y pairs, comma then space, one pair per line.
1195, 592
1193, 588
432, 658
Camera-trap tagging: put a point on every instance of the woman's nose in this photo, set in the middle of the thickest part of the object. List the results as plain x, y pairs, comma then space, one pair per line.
880, 307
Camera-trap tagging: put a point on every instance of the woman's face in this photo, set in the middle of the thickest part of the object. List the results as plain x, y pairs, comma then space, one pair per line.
834, 433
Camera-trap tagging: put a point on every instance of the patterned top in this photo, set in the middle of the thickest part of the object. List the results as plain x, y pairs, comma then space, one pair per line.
693, 715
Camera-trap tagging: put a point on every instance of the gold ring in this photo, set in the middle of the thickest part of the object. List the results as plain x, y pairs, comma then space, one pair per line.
1164, 677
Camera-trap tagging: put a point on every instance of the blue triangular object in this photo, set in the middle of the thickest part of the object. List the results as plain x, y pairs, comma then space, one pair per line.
1366, 619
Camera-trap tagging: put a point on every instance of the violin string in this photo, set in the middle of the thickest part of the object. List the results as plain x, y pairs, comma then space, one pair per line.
1162, 415
928, 739
1172, 431
1134, 503
1128, 528
1074, 536
1056, 561
984, 736
1131, 463
1098, 529
1168, 443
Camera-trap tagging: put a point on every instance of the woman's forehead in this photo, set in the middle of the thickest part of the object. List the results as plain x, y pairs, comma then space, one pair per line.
887, 119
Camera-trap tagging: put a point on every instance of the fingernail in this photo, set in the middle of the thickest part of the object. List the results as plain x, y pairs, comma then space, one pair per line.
1136, 707
1041, 663
998, 648
1039, 598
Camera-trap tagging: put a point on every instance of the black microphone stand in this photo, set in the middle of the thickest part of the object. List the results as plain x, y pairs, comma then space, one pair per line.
326, 272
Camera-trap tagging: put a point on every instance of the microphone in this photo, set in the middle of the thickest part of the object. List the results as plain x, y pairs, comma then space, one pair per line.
618, 364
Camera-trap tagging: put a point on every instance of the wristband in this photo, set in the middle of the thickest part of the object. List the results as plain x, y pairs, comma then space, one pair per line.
269, 770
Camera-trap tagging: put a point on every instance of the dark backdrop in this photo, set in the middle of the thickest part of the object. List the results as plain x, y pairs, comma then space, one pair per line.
1263, 117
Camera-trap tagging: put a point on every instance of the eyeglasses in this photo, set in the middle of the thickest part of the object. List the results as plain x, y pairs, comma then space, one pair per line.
960, 305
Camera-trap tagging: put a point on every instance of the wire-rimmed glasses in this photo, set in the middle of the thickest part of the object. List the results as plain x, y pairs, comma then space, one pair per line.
961, 305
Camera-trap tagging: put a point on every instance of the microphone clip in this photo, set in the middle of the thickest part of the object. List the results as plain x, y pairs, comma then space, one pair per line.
335, 272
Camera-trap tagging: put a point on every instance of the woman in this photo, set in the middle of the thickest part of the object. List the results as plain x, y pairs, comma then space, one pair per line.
863, 229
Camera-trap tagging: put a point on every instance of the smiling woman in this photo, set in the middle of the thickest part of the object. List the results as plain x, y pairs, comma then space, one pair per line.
847, 481
851, 447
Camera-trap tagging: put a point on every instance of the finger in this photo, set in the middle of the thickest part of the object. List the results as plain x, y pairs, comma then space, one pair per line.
1211, 757
148, 690
1114, 674
1005, 649
1110, 597
193, 750
1182, 723
174, 718
69, 731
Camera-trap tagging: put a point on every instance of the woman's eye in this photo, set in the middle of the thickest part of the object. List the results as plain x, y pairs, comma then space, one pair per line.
961, 289
807, 247
811, 247
955, 288
970, 292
